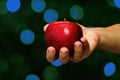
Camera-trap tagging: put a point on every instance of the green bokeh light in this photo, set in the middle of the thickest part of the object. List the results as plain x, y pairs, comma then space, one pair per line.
19, 74
111, 3
50, 73
76, 12
16, 60
3, 66
90, 26
3, 9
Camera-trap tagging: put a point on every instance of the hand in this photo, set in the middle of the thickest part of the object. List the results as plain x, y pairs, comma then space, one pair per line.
82, 48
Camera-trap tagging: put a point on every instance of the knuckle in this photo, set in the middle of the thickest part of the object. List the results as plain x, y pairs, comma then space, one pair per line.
76, 60
64, 60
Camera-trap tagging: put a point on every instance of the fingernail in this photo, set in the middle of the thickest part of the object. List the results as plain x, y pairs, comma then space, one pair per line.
78, 45
50, 51
63, 52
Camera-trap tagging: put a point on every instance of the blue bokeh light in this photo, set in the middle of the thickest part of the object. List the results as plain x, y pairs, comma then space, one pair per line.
32, 77
117, 3
57, 63
38, 5
76, 12
13, 5
109, 69
27, 37
50, 15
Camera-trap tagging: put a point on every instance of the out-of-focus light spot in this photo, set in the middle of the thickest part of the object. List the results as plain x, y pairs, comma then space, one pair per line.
32, 77
38, 5
3, 66
50, 15
90, 26
16, 60
76, 12
111, 3
57, 63
50, 73
117, 3
3, 9
13, 5
27, 37
109, 69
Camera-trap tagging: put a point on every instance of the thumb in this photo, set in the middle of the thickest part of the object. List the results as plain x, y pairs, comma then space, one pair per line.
45, 27
83, 27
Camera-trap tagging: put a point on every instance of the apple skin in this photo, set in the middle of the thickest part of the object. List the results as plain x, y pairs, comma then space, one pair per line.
63, 34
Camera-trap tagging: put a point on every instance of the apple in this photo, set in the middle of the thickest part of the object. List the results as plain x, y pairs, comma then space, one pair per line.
63, 34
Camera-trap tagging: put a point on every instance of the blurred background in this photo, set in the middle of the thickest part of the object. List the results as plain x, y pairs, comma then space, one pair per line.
23, 47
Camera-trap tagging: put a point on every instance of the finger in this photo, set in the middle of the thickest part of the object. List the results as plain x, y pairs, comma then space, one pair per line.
45, 27
50, 54
86, 48
77, 51
64, 55
85, 43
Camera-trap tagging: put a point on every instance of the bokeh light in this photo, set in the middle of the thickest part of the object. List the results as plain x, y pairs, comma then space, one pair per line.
117, 3
38, 5
50, 73
21, 32
50, 15
32, 77
16, 60
90, 26
3, 66
109, 69
111, 3
27, 36
57, 63
3, 9
76, 12
13, 5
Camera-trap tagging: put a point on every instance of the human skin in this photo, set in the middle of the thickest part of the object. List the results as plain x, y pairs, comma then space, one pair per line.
107, 38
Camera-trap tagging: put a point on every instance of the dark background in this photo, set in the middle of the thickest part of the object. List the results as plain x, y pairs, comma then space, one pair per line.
18, 60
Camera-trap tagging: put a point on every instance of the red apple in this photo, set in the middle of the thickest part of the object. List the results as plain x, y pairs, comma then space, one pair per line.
63, 34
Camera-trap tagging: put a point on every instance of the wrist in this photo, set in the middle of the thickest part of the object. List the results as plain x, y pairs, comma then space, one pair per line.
101, 36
